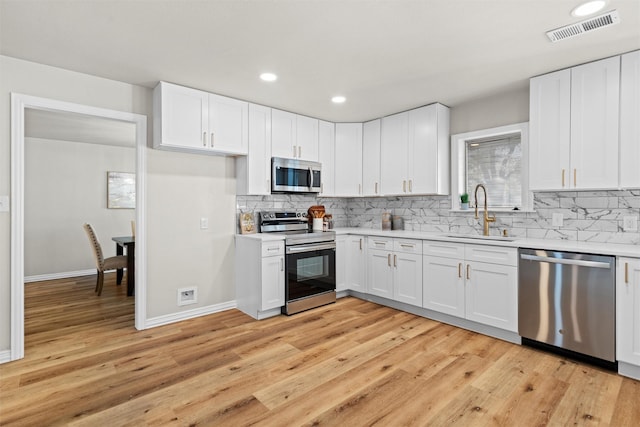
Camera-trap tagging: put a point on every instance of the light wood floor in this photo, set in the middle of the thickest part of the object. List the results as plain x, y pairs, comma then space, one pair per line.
352, 363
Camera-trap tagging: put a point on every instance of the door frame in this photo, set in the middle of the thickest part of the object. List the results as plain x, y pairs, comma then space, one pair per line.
19, 103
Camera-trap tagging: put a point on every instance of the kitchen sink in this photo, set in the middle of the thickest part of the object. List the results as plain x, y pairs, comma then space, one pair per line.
476, 237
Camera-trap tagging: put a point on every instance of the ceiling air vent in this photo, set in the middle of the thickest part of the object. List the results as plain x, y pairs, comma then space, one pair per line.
579, 28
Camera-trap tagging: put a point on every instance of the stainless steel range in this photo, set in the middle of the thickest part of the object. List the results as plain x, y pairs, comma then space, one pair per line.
310, 260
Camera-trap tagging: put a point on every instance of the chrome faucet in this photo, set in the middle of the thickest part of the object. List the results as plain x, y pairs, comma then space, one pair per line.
487, 218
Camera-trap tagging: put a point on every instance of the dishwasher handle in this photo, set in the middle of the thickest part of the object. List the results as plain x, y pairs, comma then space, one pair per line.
567, 261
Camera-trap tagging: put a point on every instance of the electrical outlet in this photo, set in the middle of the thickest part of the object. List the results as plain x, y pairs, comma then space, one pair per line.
4, 203
630, 223
557, 220
204, 223
187, 296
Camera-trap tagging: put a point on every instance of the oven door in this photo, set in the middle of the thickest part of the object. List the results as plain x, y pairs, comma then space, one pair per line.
311, 270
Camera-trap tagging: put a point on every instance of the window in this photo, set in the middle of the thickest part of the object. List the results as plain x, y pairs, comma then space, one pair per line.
497, 159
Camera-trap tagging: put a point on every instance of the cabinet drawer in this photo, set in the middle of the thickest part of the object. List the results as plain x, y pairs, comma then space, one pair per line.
443, 249
407, 246
376, 242
272, 248
491, 254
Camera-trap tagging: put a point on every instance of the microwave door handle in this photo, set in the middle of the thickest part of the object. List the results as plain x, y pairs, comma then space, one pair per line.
310, 179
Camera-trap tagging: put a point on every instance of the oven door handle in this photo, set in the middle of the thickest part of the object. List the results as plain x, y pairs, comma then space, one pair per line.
310, 248
310, 178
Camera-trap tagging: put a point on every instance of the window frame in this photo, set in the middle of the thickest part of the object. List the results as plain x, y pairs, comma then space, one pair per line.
458, 163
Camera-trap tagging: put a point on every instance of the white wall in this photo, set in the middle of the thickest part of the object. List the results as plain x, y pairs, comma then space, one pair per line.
498, 110
66, 186
165, 217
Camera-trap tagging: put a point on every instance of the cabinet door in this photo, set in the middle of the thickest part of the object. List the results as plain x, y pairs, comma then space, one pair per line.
356, 271
393, 152
491, 295
595, 97
283, 134
371, 158
342, 260
407, 279
422, 151
443, 285
550, 130
348, 156
272, 282
326, 156
629, 122
380, 273
307, 138
256, 168
628, 311
228, 127
184, 118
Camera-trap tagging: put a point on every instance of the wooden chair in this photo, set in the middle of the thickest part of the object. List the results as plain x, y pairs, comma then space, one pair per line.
102, 264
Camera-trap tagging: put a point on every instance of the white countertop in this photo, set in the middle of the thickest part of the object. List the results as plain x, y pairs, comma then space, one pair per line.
514, 242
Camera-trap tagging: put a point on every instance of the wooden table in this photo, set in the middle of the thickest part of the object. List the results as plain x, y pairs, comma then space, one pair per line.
130, 243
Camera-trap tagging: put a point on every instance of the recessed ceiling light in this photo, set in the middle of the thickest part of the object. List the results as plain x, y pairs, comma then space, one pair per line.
589, 8
338, 99
268, 77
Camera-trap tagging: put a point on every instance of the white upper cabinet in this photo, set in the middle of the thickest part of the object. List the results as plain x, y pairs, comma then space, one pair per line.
326, 156
348, 160
574, 127
192, 120
294, 136
595, 98
371, 158
550, 130
629, 120
253, 171
393, 149
415, 152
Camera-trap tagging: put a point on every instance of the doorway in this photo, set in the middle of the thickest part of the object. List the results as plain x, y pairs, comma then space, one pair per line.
20, 105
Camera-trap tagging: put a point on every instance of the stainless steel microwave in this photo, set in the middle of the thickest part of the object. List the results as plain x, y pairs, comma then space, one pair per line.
295, 176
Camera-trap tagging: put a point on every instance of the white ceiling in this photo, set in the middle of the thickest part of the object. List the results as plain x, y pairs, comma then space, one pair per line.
384, 56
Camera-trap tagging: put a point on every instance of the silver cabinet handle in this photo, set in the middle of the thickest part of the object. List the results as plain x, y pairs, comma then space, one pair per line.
212, 138
389, 259
403, 245
281, 264
562, 178
575, 173
468, 272
322, 187
376, 191
360, 244
395, 260
204, 139
299, 151
404, 186
410, 186
460, 270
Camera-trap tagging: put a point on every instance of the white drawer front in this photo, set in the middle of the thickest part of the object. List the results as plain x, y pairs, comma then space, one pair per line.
491, 254
407, 246
443, 249
376, 242
272, 248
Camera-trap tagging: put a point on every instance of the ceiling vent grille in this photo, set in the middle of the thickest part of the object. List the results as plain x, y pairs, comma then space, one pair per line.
579, 28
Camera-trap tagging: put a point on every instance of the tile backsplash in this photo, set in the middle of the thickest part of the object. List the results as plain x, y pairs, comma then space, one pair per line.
590, 216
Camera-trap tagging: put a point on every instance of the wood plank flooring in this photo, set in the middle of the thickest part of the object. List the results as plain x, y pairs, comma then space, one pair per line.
352, 363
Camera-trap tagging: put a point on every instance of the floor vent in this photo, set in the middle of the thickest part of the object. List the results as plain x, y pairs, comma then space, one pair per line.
579, 28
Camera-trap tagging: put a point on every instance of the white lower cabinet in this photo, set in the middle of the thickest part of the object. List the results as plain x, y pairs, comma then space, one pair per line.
394, 269
477, 282
628, 314
259, 291
351, 263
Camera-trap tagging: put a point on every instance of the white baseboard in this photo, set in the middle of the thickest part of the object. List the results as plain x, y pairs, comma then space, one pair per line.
64, 275
189, 314
5, 356
629, 370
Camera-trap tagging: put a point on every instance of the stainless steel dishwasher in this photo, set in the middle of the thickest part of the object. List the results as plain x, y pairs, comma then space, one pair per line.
567, 301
